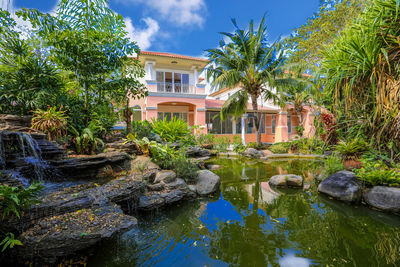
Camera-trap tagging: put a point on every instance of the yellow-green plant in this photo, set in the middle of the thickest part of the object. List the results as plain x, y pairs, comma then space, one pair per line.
174, 130
53, 122
352, 149
86, 142
378, 173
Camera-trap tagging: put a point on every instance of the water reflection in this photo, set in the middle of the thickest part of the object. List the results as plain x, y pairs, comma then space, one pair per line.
251, 224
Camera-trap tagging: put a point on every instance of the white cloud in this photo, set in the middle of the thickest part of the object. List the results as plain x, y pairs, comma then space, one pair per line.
144, 36
181, 12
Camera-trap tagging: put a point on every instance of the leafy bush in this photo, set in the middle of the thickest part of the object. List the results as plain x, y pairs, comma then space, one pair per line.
237, 143
86, 142
307, 145
206, 139
378, 173
142, 129
167, 157
53, 122
222, 143
352, 149
252, 145
280, 148
16, 199
174, 130
333, 164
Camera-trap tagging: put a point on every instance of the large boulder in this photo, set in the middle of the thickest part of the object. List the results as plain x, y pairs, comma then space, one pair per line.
253, 153
286, 180
165, 176
66, 234
207, 182
197, 152
383, 198
343, 186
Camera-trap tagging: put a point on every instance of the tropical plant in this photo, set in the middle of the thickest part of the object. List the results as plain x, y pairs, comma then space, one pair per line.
333, 164
222, 143
9, 242
16, 199
378, 173
142, 129
352, 149
53, 122
247, 62
206, 139
86, 142
174, 130
237, 143
362, 70
280, 148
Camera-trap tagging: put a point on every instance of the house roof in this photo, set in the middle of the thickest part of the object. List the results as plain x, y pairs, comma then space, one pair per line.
163, 54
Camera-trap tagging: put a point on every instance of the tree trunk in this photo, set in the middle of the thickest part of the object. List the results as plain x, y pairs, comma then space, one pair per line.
128, 117
257, 118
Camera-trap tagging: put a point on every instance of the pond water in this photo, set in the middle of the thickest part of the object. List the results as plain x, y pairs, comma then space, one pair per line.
250, 224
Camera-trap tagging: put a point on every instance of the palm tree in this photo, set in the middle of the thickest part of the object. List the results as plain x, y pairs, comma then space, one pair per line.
246, 62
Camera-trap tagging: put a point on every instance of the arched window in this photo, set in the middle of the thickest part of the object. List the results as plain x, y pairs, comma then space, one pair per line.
137, 113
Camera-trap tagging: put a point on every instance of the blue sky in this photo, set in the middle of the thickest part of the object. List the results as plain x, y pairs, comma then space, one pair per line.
190, 26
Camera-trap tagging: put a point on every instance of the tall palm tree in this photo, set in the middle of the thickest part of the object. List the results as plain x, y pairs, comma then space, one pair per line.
246, 62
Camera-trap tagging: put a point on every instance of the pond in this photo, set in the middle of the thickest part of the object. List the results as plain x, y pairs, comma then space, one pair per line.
251, 224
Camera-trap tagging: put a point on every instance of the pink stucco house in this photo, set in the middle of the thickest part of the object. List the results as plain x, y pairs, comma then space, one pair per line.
176, 88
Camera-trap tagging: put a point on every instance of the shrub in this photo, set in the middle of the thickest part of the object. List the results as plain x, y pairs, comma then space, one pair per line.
142, 129
280, 148
307, 145
53, 122
86, 142
378, 173
237, 143
352, 149
222, 143
174, 130
206, 139
333, 164
252, 145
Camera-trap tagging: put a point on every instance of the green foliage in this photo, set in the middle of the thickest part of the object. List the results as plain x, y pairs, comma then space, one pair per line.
280, 148
307, 146
246, 61
299, 129
237, 143
53, 122
174, 130
206, 139
15, 199
222, 143
86, 142
352, 149
333, 164
167, 157
252, 145
9, 242
142, 129
362, 69
378, 173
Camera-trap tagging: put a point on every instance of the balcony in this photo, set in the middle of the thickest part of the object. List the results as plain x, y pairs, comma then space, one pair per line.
178, 88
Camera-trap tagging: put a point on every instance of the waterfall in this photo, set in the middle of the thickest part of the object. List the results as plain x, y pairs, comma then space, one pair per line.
20, 140
35, 156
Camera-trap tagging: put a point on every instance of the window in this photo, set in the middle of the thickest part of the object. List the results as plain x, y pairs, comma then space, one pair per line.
289, 124
216, 126
273, 124
251, 126
172, 82
168, 116
137, 113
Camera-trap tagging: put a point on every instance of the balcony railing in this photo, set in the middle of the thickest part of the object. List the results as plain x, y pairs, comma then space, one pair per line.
178, 88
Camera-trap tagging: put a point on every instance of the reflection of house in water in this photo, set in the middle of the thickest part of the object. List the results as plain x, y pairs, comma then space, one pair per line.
266, 194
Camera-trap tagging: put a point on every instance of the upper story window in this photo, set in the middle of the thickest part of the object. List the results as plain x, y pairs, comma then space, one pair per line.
172, 82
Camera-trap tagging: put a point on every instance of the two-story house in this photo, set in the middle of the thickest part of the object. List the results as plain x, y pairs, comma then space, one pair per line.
175, 89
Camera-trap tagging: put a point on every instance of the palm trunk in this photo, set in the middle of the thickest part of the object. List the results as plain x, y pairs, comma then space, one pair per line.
257, 118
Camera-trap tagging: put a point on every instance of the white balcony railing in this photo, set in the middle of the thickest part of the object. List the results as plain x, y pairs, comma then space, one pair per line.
179, 88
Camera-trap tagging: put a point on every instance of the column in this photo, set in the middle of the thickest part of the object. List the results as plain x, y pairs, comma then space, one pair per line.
149, 70
243, 122
308, 124
281, 130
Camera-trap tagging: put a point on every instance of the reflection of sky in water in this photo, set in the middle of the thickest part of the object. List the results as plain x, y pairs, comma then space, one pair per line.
292, 261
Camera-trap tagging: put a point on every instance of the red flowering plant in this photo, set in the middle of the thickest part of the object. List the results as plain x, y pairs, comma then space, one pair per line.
330, 126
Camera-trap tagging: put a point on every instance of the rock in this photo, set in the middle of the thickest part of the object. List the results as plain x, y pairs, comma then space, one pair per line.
253, 153
156, 137
207, 146
14, 123
207, 182
197, 152
122, 146
165, 176
267, 152
200, 162
66, 234
213, 166
343, 186
383, 198
286, 180
156, 187
145, 163
192, 188
91, 166
8, 179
